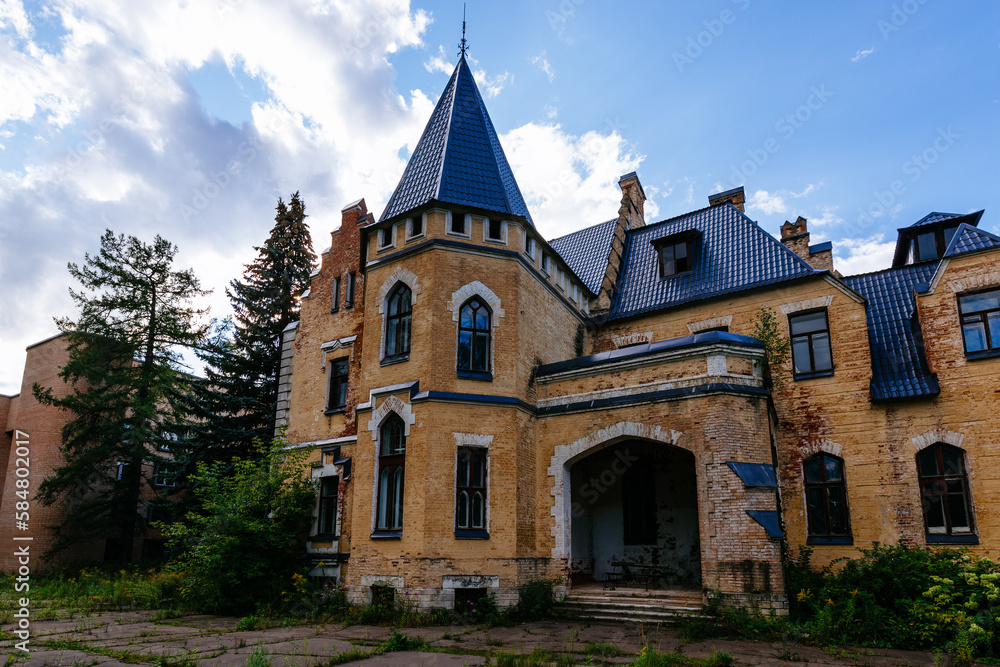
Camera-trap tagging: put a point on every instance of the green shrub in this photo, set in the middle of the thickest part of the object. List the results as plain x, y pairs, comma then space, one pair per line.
534, 600
236, 550
901, 597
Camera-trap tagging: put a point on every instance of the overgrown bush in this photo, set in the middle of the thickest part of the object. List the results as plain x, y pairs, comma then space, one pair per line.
721, 620
534, 600
901, 597
237, 550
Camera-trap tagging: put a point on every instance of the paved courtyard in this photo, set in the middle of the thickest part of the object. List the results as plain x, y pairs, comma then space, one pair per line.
119, 638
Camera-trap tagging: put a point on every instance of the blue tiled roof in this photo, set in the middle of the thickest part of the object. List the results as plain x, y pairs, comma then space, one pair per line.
735, 255
644, 349
897, 368
931, 218
458, 159
587, 251
968, 239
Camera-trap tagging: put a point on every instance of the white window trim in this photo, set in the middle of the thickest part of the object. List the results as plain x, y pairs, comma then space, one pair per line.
474, 441
503, 232
467, 221
462, 295
423, 228
546, 264
378, 240
528, 245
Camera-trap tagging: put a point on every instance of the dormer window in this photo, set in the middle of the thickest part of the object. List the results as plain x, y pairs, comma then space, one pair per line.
676, 255
931, 245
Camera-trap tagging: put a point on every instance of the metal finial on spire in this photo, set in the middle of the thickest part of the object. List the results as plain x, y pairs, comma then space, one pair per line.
463, 46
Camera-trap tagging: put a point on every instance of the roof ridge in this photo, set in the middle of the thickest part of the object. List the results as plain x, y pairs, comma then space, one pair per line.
485, 121
581, 230
447, 130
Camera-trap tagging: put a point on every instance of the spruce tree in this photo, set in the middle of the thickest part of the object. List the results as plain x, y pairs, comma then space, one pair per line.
236, 403
124, 372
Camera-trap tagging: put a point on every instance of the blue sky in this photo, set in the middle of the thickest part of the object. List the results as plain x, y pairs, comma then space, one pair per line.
189, 120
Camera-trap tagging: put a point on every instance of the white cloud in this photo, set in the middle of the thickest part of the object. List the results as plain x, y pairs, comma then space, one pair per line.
551, 112
563, 175
543, 64
123, 143
861, 55
439, 63
767, 203
864, 255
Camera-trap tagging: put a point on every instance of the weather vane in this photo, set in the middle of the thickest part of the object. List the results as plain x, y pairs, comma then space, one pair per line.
463, 46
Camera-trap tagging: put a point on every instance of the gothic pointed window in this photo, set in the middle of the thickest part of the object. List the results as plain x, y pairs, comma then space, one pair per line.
470, 493
391, 473
399, 312
474, 332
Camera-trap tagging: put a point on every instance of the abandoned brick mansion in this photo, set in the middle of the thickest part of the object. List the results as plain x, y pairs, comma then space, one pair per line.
486, 407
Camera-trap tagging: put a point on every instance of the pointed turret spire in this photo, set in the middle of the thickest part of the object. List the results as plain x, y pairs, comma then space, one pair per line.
458, 159
463, 46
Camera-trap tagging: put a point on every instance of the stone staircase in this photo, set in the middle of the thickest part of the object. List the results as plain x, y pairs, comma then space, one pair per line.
632, 605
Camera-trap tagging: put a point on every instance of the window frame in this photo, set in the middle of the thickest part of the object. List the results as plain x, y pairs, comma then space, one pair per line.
352, 285
471, 531
393, 464
411, 223
983, 318
475, 331
690, 244
327, 504
812, 373
335, 302
398, 354
529, 247
941, 241
163, 478
487, 238
942, 478
466, 221
380, 238
546, 264
341, 390
828, 537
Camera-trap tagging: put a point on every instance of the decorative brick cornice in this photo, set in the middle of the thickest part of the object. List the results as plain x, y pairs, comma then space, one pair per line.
472, 439
713, 323
974, 282
938, 435
634, 338
391, 404
808, 304
824, 445
399, 275
469, 290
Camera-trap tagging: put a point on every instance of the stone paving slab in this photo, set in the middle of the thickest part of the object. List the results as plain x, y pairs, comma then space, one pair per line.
214, 642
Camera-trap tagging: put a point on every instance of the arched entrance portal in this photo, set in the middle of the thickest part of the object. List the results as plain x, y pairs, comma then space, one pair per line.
635, 502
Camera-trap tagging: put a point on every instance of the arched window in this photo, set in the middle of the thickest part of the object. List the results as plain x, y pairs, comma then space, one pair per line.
826, 499
470, 501
399, 312
474, 336
391, 467
944, 490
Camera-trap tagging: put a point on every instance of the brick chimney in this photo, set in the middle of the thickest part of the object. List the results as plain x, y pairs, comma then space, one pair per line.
633, 201
736, 197
795, 237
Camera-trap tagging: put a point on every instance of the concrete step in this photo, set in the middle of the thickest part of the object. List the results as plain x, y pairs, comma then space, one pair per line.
611, 607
